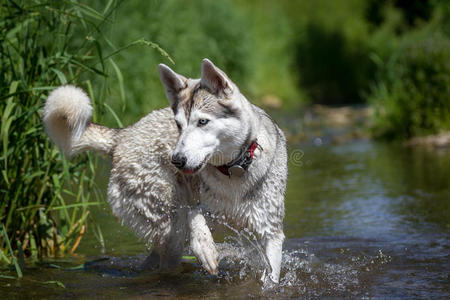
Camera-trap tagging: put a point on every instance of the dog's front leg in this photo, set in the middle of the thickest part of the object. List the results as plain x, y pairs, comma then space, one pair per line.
172, 250
202, 243
273, 249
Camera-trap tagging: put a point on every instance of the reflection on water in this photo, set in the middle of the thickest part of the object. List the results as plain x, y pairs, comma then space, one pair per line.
369, 190
364, 197
362, 220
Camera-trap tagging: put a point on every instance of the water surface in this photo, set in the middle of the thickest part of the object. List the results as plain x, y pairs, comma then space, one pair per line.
363, 219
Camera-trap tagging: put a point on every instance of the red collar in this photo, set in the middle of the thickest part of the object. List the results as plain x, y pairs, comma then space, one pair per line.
241, 164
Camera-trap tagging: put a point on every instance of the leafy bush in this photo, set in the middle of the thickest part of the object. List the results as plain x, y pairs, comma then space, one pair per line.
412, 95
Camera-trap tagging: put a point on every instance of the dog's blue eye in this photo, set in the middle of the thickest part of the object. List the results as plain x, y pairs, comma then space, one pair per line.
202, 122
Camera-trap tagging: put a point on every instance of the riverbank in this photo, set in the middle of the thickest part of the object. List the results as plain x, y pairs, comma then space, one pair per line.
439, 141
320, 124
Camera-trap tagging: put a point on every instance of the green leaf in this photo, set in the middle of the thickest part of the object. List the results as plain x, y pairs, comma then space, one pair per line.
120, 79
114, 114
16, 263
58, 283
62, 78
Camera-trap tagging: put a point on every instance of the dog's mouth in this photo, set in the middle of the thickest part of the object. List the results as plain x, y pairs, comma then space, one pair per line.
191, 171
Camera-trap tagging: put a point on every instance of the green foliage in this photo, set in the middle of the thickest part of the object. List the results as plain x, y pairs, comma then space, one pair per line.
272, 37
44, 44
299, 51
331, 53
321, 51
334, 69
189, 32
412, 95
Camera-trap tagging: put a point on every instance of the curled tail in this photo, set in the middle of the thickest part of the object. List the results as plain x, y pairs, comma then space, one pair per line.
68, 122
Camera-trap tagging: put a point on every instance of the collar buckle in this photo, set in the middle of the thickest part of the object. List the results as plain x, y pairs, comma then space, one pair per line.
239, 167
236, 170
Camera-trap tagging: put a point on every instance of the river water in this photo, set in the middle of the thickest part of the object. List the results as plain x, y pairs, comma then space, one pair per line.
363, 220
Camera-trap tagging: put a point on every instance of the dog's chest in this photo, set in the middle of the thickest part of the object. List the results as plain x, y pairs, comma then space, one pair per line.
221, 194
229, 197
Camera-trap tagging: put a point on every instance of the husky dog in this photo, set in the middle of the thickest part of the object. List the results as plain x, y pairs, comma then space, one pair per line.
212, 146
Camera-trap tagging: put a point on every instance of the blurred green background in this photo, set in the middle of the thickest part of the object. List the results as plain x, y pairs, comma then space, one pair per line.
392, 56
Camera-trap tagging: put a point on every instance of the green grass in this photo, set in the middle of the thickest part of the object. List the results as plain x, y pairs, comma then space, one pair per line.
38, 54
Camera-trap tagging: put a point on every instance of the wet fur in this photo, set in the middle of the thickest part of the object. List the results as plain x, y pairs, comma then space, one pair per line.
256, 200
160, 203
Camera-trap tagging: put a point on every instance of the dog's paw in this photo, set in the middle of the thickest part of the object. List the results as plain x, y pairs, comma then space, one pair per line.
204, 249
268, 280
151, 262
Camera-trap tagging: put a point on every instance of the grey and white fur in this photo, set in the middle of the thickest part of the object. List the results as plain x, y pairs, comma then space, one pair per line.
164, 165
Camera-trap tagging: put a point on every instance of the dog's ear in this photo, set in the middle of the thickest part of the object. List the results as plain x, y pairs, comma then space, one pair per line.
214, 79
173, 83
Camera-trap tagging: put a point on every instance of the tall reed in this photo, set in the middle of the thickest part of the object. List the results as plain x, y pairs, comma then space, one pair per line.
45, 199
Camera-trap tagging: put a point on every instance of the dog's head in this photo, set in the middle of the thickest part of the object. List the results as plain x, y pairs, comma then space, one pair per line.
211, 115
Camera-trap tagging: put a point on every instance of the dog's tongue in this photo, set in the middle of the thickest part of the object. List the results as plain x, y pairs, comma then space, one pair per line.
188, 171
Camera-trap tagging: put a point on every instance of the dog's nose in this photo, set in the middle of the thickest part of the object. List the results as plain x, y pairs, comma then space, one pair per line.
179, 160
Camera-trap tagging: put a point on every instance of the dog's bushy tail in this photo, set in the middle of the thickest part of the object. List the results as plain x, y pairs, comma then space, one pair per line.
68, 121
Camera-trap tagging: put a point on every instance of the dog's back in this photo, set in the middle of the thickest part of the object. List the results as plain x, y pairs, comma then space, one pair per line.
143, 184
145, 190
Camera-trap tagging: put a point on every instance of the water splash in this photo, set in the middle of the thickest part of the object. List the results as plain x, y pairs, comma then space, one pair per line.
305, 272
